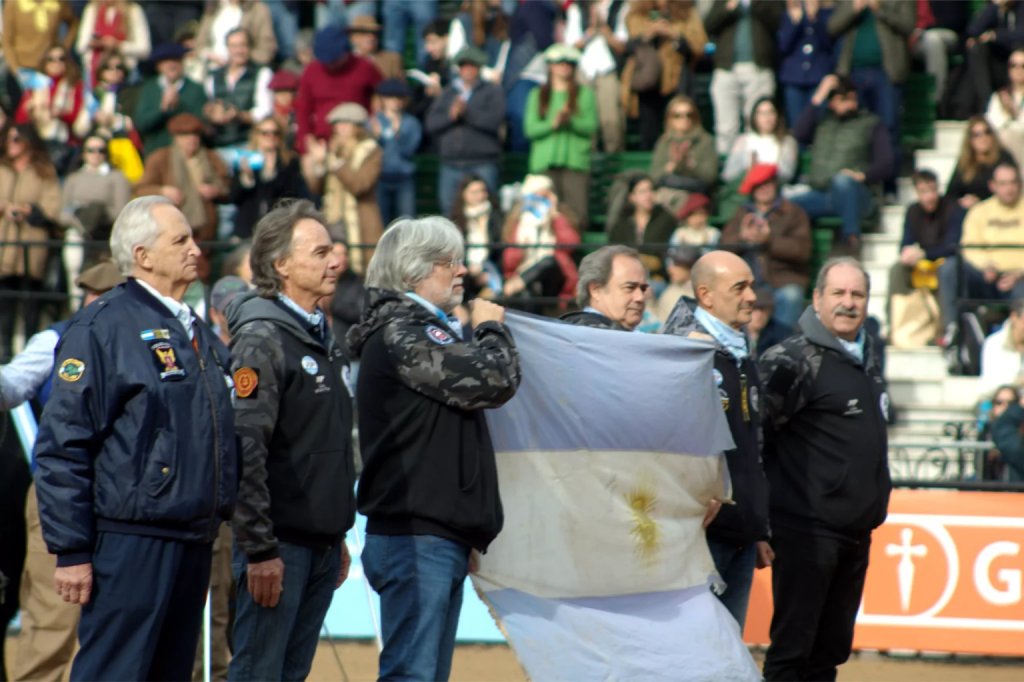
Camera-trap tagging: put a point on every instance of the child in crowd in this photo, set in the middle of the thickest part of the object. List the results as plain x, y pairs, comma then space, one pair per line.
695, 229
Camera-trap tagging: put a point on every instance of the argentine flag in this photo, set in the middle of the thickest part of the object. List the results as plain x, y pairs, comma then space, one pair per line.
607, 457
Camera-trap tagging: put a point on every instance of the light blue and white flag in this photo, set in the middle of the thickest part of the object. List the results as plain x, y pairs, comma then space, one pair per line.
607, 458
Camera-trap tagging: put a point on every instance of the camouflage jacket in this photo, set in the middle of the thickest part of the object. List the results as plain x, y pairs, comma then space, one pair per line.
824, 418
293, 415
429, 465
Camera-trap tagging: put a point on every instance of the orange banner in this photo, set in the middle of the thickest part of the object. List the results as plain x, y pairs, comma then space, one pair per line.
946, 574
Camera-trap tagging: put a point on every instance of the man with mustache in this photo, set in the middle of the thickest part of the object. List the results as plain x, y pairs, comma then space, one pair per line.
429, 487
293, 409
136, 465
825, 412
738, 536
611, 291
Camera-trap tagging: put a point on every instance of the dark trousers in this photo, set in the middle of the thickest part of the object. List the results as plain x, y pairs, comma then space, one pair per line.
817, 582
145, 615
651, 117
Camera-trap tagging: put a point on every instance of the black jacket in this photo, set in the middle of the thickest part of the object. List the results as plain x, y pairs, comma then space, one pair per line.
428, 461
254, 202
825, 434
739, 390
138, 435
293, 413
586, 318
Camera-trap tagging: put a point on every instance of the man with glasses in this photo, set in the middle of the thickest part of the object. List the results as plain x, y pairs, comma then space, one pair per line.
429, 486
738, 536
612, 290
851, 157
990, 264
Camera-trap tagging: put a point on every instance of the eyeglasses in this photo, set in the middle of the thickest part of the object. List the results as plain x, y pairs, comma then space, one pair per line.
981, 133
95, 150
684, 114
1000, 403
114, 67
273, 131
454, 263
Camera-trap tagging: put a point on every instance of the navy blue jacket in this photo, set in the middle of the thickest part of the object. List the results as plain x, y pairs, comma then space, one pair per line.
138, 435
805, 49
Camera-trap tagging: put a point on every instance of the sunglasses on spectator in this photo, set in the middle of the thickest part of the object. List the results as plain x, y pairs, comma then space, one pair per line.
55, 58
116, 65
1001, 403
684, 114
95, 150
269, 132
980, 133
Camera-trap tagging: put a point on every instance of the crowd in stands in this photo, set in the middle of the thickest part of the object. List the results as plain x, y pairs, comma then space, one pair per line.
228, 106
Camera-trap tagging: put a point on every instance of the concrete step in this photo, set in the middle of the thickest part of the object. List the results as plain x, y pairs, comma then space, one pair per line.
914, 363
949, 135
960, 392
940, 162
892, 220
882, 249
932, 415
905, 194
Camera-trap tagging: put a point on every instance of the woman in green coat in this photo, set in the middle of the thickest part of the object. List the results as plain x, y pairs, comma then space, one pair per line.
561, 120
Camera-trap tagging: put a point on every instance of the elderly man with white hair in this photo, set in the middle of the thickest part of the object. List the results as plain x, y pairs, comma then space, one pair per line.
136, 460
429, 486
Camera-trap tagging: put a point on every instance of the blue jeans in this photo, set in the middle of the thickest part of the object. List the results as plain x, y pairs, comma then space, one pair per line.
796, 98
450, 177
286, 26
736, 566
846, 198
878, 94
396, 198
337, 13
396, 17
958, 281
279, 643
789, 304
419, 579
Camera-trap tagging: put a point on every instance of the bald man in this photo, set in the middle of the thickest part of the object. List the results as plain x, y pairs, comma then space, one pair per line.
738, 535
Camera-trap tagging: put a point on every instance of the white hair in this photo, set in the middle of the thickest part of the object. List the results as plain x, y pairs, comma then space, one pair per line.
406, 253
135, 226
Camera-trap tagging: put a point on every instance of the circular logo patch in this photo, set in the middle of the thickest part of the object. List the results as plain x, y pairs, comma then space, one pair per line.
309, 364
246, 381
71, 370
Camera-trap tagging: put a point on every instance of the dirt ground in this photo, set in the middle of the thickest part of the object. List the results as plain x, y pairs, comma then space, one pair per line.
496, 663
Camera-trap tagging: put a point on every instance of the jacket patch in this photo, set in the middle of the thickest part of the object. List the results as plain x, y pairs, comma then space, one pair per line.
724, 397
309, 364
439, 336
166, 361
155, 334
71, 370
247, 380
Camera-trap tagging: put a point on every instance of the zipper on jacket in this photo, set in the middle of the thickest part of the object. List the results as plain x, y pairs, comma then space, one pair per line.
216, 432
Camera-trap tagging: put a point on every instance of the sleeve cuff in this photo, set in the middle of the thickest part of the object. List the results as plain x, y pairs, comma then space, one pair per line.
74, 559
265, 555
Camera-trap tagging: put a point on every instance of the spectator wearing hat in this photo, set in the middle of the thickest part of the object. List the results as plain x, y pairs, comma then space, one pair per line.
345, 171
164, 96
334, 77
190, 175
560, 121
399, 135
283, 87
466, 119
764, 329
48, 624
774, 236
364, 35
646, 224
695, 229
399, 16
238, 95
851, 156
268, 170
221, 18
29, 29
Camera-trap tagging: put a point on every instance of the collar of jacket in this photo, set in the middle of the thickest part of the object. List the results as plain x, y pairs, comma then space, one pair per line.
811, 327
250, 306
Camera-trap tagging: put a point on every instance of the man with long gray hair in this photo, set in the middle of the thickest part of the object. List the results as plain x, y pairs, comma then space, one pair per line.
136, 460
429, 486
824, 411
293, 409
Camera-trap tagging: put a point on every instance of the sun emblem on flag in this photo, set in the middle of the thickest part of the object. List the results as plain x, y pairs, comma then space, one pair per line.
642, 500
